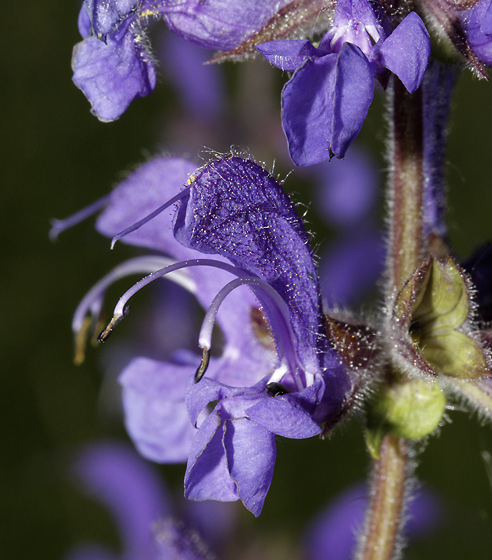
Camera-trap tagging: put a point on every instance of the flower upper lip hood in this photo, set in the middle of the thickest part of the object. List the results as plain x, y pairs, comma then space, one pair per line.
256, 227
325, 102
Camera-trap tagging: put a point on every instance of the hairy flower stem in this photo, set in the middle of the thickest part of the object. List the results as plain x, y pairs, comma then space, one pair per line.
381, 539
406, 184
384, 522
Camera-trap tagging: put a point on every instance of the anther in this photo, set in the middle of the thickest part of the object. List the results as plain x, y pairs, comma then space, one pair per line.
202, 368
80, 341
275, 389
112, 324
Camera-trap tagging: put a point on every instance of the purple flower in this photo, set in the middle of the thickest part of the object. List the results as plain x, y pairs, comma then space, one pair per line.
325, 102
277, 374
113, 64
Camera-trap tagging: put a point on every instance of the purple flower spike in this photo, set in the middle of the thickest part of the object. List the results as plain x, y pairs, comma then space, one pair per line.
325, 102
155, 415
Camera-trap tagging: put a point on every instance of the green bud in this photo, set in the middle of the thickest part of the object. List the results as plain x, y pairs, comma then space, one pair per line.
411, 410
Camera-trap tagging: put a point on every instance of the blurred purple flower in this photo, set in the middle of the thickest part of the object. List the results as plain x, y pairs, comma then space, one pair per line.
352, 265
200, 86
333, 533
468, 25
347, 190
138, 501
218, 24
346, 195
477, 25
130, 489
325, 102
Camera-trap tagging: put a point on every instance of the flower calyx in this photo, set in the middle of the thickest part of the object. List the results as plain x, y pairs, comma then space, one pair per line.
432, 324
299, 18
408, 408
355, 343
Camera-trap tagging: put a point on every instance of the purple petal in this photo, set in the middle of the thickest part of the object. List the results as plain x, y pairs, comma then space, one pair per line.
114, 73
354, 89
198, 395
486, 25
406, 51
307, 110
207, 475
283, 416
219, 24
288, 55
129, 487
237, 210
338, 392
348, 12
155, 413
142, 192
251, 454
84, 22
354, 22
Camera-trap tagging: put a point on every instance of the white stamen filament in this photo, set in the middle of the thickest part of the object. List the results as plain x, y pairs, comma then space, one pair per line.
92, 301
277, 314
279, 373
275, 307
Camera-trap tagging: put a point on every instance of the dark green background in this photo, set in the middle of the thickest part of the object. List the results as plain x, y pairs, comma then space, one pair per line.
57, 158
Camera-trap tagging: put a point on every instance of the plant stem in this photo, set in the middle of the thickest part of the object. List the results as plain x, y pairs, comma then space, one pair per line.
406, 184
384, 520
